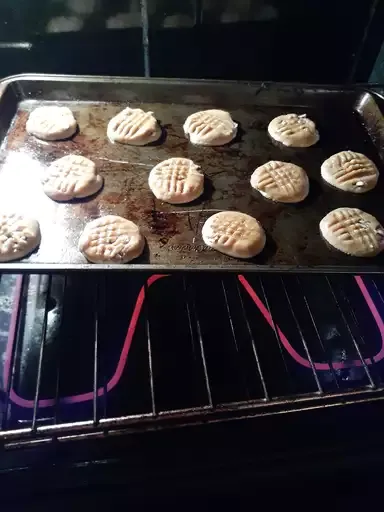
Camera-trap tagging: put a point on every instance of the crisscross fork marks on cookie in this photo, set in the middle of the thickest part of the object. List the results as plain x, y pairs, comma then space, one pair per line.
277, 175
210, 127
72, 167
18, 236
174, 175
228, 232
176, 180
134, 126
350, 226
131, 122
292, 126
281, 181
350, 167
67, 185
71, 176
13, 235
204, 123
109, 241
235, 234
293, 130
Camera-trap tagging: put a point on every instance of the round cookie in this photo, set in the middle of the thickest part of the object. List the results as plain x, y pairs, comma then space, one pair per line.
350, 171
18, 236
111, 239
134, 126
51, 123
281, 181
353, 232
235, 234
293, 130
176, 181
210, 128
69, 177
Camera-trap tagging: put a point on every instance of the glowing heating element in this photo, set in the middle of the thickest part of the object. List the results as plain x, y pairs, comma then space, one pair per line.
112, 383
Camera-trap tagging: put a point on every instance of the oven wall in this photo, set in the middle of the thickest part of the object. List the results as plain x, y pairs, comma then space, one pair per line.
378, 70
295, 40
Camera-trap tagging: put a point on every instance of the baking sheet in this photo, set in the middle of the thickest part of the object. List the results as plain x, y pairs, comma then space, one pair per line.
346, 119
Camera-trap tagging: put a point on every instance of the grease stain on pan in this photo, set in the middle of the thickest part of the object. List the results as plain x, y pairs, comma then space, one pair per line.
164, 224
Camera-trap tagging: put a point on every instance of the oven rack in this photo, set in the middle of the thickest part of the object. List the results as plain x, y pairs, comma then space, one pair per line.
238, 346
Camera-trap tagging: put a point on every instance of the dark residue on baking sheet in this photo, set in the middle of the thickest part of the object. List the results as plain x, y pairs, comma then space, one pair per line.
173, 232
161, 223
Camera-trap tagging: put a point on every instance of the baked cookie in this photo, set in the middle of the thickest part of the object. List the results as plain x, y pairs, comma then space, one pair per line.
293, 130
210, 128
134, 126
350, 171
51, 123
176, 180
353, 232
111, 239
69, 177
281, 181
235, 234
18, 236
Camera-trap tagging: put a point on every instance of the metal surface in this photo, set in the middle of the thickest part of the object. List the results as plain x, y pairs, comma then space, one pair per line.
169, 351
346, 118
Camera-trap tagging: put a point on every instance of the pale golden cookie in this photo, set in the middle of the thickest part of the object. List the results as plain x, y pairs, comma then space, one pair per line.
51, 123
281, 181
350, 171
111, 239
134, 126
176, 180
18, 236
210, 128
69, 177
353, 232
293, 130
235, 234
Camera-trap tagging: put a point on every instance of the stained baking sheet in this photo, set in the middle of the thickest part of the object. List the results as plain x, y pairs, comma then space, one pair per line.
346, 119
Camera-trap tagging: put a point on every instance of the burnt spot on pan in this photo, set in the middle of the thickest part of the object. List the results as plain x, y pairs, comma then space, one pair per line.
164, 224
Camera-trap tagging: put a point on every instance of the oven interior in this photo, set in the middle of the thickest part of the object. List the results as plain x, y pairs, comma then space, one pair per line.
164, 384
91, 354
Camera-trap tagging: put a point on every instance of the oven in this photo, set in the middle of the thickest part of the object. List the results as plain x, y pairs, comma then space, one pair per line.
162, 381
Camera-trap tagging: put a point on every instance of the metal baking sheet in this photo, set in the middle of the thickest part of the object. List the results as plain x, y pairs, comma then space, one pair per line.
346, 119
